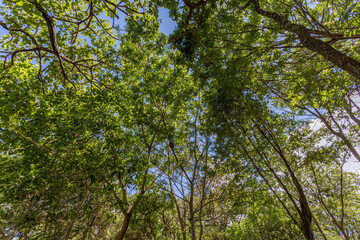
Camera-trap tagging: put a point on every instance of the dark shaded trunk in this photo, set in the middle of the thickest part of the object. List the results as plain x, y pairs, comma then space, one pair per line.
191, 208
192, 225
124, 227
306, 219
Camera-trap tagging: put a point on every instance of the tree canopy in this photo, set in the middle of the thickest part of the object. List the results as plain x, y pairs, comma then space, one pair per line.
243, 123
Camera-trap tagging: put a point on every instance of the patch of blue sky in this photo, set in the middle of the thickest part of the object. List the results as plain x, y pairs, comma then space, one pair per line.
167, 25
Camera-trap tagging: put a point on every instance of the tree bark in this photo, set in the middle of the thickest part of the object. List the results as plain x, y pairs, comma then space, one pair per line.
192, 223
124, 227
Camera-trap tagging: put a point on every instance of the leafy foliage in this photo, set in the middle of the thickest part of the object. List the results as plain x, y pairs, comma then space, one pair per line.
110, 129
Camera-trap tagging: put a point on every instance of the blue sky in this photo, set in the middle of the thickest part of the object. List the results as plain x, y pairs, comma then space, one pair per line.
167, 25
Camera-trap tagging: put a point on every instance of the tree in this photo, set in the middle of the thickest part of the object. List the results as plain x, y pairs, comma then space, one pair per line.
112, 130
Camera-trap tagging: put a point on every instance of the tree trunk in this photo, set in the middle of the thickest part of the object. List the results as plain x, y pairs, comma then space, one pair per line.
192, 225
124, 227
305, 213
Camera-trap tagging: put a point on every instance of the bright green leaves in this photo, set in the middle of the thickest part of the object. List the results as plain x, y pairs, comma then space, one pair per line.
86, 33
96, 138
20, 3
100, 114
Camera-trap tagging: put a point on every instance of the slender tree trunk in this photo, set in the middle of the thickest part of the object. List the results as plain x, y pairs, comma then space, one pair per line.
305, 213
124, 227
191, 210
192, 224
201, 224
